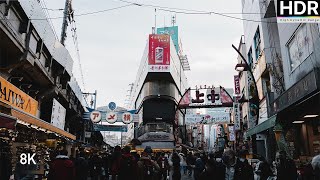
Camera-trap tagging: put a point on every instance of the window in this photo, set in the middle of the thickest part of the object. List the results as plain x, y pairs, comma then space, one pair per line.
257, 42
250, 58
300, 46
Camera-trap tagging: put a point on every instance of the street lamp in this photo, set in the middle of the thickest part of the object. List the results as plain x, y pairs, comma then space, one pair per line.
253, 99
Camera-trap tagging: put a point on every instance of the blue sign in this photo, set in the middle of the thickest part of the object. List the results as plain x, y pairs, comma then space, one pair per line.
112, 106
99, 127
173, 32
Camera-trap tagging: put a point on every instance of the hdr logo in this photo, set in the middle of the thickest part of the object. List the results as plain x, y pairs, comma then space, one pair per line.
296, 11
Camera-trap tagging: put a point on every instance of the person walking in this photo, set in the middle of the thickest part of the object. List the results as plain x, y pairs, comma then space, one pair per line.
183, 163
210, 170
262, 170
81, 166
128, 165
115, 162
198, 167
147, 168
62, 168
175, 159
286, 169
233, 168
315, 163
164, 166
190, 162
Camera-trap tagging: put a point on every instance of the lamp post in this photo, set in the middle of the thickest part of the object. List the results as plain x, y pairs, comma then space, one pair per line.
254, 100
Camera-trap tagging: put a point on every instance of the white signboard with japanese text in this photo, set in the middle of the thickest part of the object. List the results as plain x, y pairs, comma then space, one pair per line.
236, 113
232, 136
58, 115
212, 116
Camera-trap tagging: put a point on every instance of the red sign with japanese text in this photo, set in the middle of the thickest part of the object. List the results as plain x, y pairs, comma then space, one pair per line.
236, 85
159, 53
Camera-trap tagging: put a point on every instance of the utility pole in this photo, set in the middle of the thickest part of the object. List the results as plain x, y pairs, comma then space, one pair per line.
66, 14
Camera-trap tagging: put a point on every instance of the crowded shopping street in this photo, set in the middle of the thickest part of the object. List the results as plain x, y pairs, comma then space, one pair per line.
159, 90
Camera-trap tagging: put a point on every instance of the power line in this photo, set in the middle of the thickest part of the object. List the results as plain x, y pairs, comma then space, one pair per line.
195, 12
83, 14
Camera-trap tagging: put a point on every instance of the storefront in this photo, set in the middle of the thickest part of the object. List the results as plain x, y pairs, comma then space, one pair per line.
297, 127
21, 131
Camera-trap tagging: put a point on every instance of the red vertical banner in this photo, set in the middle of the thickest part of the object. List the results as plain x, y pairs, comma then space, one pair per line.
236, 85
159, 52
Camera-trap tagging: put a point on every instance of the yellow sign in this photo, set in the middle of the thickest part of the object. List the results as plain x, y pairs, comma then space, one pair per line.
14, 97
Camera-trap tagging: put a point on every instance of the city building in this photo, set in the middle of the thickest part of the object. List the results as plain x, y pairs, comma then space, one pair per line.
159, 86
41, 105
260, 46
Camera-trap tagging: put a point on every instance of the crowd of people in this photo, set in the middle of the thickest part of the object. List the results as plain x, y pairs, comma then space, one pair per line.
124, 164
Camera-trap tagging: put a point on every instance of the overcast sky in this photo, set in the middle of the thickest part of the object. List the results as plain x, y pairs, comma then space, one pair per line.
111, 43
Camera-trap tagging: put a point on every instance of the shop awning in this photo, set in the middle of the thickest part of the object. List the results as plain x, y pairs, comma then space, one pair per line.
7, 121
262, 126
40, 123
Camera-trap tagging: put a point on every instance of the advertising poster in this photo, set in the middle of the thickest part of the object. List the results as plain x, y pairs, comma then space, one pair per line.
173, 32
58, 115
236, 111
159, 53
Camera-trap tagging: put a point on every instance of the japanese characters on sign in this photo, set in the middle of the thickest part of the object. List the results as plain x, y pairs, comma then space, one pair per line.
13, 96
95, 116
58, 114
159, 53
236, 112
127, 118
111, 117
232, 136
237, 85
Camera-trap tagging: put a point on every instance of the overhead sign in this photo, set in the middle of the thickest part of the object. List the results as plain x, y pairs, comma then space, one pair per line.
156, 136
95, 116
206, 98
127, 118
58, 115
236, 113
217, 118
14, 97
159, 53
99, 127
112, 106
232, 136
111, 117
173, 32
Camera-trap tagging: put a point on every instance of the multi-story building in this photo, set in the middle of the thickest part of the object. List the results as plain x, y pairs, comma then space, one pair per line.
37, 88
288, 52
159, 85
297, 108
261, 48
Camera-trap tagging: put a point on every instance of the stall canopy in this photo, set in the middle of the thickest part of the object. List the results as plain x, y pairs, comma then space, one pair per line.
262, 126
7, 121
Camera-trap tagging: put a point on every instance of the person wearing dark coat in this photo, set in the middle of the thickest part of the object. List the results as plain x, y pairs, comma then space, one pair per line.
233, 168
286, 168
82, 167
62, 168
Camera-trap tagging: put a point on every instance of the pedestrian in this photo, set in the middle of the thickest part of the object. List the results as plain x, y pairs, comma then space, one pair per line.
210, 170
115, 162
175, 159
190, 162
62, 168
316, 166
262, 170
96, 167
147, 168
164, 166
198, 167
128, 165
183, 163
82, 166
233, 168
286, 169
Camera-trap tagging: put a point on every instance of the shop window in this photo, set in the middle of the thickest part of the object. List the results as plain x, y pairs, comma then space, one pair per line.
300, 46
250, 58
257, 43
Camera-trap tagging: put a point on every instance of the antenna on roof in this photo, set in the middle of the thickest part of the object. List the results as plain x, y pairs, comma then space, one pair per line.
173, 20
155, 22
